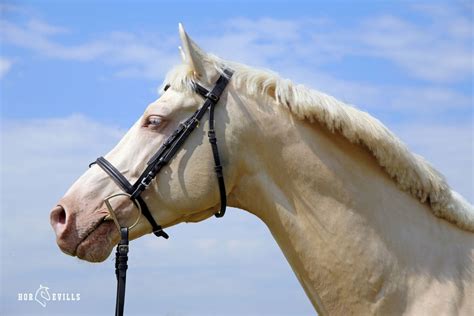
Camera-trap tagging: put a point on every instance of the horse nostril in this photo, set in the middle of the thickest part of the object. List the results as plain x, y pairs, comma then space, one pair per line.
62, 216
58, 216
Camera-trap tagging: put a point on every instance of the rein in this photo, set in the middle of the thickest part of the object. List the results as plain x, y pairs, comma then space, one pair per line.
161, 158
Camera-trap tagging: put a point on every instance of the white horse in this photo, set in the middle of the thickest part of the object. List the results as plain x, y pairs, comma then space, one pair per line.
367, 226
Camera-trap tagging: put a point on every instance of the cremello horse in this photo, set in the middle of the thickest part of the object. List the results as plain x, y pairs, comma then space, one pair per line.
367, 226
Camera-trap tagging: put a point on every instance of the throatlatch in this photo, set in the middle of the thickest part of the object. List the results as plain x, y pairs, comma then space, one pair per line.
160, 159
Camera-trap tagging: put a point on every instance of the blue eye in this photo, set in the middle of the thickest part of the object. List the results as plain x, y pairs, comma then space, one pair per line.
154, 120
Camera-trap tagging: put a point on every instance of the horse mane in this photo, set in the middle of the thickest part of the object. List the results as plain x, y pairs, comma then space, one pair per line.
411, 172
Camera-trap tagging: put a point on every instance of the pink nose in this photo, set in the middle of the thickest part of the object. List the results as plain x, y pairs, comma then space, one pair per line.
64, 237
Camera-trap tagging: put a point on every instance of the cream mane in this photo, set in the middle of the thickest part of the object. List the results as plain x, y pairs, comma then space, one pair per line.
410, 171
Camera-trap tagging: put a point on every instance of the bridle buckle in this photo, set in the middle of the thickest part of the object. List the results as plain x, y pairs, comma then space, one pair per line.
211, 96
122, 249
146, 182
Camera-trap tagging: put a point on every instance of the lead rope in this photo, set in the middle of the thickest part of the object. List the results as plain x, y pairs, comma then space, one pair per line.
121, 253
121, 258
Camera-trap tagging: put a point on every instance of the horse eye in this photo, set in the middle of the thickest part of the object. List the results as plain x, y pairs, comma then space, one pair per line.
154, 120
166, 87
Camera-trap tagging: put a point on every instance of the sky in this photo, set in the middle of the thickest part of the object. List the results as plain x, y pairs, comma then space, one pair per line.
75, 75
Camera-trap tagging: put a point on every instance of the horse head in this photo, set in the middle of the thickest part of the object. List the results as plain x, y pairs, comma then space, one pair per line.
185, 190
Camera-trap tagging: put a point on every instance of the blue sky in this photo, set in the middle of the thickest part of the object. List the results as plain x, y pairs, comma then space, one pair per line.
75, 75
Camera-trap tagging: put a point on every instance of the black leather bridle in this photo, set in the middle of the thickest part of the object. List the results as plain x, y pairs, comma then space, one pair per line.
160, 159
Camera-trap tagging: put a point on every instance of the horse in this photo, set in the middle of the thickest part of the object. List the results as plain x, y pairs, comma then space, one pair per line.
367, 226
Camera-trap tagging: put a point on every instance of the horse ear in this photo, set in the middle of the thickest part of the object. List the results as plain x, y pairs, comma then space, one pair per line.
192, 54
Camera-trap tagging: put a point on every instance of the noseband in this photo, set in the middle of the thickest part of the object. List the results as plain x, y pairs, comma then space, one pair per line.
160, 159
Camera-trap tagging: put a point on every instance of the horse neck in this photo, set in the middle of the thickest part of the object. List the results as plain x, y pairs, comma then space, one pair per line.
353, 239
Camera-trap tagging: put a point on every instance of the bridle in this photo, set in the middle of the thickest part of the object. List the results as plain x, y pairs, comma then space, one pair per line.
160, 159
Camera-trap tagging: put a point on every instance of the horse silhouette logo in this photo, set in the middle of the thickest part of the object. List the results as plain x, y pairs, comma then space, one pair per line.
42, 295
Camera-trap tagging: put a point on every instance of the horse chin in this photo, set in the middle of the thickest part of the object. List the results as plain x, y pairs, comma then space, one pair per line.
98, 245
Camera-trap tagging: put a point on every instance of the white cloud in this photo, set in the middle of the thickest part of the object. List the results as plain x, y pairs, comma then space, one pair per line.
70, 136
5, 66
41, 158
40, 27
437, 50
134, 56
428, 101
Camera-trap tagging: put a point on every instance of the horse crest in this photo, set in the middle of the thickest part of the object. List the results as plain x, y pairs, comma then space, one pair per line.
42, 295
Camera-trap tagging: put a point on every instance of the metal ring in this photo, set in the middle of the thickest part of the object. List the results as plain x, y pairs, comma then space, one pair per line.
112, 211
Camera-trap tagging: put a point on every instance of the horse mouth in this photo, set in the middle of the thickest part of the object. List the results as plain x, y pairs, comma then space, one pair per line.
97, 243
